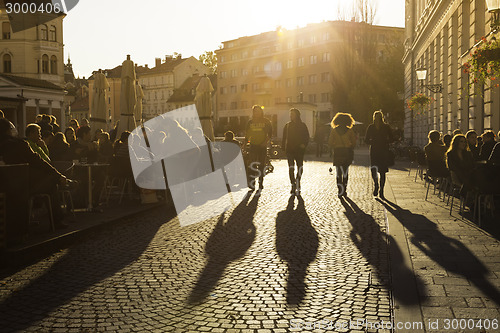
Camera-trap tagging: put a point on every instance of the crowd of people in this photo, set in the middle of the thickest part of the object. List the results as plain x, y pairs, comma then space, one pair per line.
50, 153
460, 156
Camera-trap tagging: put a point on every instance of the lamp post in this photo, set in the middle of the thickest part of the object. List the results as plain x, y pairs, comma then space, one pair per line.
494, 9
422, 75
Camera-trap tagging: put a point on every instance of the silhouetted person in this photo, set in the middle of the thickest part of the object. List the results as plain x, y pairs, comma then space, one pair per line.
342, 140
258, 133
471, 137
295, 141
378, 136
488, 145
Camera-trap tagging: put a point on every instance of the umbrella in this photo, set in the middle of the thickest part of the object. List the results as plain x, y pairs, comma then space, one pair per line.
138, 105
98, 107
127, 97
203, 102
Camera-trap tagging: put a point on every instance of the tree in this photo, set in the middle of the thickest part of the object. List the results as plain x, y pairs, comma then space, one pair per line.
209, 59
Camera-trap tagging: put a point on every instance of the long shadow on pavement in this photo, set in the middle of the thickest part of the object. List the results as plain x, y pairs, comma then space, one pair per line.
367, 236
297, 243
228, 242
75, 272
448, 252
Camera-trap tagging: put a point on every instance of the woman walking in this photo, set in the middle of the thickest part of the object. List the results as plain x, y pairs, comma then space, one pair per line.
342, 140
378, 136
295, 140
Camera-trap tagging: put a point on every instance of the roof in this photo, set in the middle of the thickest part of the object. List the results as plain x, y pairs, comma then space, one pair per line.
30, 82
166, 66
116, 73
81, 104
187, 91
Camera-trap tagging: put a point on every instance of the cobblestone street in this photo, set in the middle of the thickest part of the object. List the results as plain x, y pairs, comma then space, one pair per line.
273, 264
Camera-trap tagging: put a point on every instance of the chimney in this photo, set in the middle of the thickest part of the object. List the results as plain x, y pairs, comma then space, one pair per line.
157, 62
168, 57
179, 56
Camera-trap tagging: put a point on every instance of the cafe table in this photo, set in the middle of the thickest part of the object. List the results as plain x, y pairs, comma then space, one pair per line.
90, 167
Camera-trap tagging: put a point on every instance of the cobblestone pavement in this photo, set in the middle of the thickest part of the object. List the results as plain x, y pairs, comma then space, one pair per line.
457, 264
272, 259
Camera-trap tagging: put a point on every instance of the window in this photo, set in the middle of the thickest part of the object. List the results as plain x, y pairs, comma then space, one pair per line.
325, 77
289, 83
255, 53
43, 33
313, 59
268, 68
256, 69
222, 106
255, 86
53, 65
325, 97
326, 57
277, 66
300, 43
234, 105
45, 64
300, 62
5, 30
234, 56
223, 75
7, 63
300, 81
244, 72
222, 59
313, 79
277, 100
244, 54
223, 90
52, 34
233, 89
244, 87
109, 100
313, 40
326, 35
289, 100
233, 73
277, 84
289, 63
289, 45
312, 98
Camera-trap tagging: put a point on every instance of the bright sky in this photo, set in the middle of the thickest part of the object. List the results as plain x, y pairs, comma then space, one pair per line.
100, 33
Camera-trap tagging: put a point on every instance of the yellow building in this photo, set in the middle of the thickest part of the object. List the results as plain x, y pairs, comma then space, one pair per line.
277, 68
32, 71
439, 37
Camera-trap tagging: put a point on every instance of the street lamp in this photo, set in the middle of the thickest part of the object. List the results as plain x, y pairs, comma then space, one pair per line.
422, 75
494, 8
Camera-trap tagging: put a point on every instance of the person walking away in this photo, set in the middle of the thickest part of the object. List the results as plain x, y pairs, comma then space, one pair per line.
379, 136
258, 133
342, 140
319, 138
295, 141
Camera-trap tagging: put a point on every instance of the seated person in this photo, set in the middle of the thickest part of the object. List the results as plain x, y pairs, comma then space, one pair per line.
435, 154
59, 148
495, 153
460, 161
43, 178
34, 140
229, 137
105, 148
471, 137
488, 144
83, 147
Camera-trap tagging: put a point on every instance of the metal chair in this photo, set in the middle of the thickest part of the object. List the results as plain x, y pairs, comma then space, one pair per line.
48, 203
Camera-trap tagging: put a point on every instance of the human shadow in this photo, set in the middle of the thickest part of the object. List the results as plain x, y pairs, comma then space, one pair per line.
228, 242
99, 256
297, 243
367, 235
449, 253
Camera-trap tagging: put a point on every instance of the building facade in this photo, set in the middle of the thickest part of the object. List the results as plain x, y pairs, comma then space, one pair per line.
276, 68
160, 82
32, 68
439, 36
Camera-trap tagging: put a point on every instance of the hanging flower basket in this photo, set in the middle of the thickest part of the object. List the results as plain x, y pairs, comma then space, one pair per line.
484, 63
419, 102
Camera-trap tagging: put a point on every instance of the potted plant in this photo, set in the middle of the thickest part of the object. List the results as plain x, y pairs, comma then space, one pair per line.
419, 102
484, 63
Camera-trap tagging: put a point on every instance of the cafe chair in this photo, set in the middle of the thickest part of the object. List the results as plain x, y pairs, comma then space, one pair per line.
421, 165
412, 154
67, 197
48, 204
456, 187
